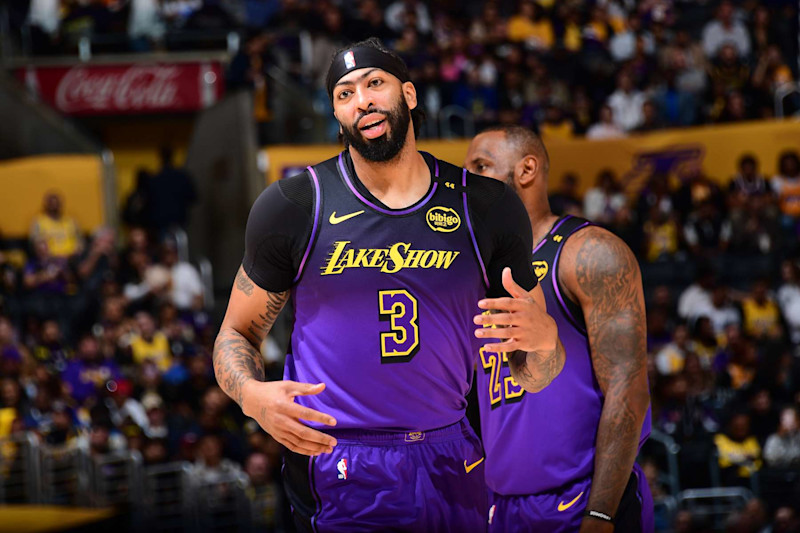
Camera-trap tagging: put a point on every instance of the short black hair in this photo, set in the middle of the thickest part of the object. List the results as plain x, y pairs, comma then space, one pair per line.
525, 141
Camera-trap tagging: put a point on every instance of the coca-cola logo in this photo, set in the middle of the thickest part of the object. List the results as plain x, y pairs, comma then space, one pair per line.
132, 89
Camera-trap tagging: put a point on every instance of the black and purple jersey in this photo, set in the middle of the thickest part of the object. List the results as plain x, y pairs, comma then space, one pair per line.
384, 298
556, 428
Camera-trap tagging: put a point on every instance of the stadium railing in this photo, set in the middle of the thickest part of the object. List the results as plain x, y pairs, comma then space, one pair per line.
714, 504
20, 465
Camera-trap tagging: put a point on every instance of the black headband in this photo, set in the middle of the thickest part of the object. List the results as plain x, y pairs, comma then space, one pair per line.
364, 57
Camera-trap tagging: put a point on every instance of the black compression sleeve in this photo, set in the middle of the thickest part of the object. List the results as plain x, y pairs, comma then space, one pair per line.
277, 233
503, 230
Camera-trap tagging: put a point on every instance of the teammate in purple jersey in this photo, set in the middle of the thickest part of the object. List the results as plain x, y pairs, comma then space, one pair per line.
583, 432
385, 253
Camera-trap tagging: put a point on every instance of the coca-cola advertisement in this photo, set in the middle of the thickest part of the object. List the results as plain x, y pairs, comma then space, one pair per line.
126, 89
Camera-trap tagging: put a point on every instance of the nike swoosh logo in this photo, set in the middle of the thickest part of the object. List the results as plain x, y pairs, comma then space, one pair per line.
564, 506
469, 468
337, 220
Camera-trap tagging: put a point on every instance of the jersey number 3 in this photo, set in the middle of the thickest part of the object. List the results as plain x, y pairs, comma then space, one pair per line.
401, 342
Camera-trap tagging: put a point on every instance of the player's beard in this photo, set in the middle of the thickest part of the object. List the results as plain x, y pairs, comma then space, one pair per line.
387, 146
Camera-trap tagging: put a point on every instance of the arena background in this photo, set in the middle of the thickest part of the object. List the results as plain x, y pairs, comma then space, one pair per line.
651, 111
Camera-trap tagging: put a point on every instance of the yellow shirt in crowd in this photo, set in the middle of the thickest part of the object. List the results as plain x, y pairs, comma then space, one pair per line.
746, 454
157, 350
62, 236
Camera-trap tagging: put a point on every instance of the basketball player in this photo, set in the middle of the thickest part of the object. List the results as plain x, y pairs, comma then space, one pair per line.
385, 252
585, 429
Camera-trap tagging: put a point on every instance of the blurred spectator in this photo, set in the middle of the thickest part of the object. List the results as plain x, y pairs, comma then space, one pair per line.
770, 73
689, 62
739, 452
146, 27
761, 315
671, 358
489, 28
729, 71
149, 344
480, 100
404, 13
185, 286
705, 343
369, 21
566, 200
626, 102
651, 120
50, 348
12, 352
59, 232
136, 212
211, 466
706, 232
740, 371
721, 313
786, 521
789, 299
606, 203
264, 492
748, 182
123, 407
725, 29
555, 125
698, 294
171, 194
44, 19
50, 283
606, 127
786, 184
89, 376
156, 416
782, 449
530, 25
764, 416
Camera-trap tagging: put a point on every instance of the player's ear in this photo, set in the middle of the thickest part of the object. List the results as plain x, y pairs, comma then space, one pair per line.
527, 170
410, 94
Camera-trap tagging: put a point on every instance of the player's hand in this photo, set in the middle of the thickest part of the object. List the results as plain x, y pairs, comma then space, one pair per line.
520, 320
272, 405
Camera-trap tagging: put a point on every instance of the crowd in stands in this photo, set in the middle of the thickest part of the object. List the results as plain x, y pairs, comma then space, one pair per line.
106, 344
603, 68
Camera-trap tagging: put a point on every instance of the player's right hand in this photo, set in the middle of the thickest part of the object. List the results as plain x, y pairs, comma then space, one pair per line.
272, 405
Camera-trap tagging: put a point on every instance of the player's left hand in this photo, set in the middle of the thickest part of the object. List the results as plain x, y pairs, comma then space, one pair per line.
520, 320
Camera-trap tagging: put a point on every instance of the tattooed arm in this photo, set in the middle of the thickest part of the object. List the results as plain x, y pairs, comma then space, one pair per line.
239, 369
598, 270
534, 351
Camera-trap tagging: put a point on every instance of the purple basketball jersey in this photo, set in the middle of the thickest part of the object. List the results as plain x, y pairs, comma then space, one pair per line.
384, 304
555, 429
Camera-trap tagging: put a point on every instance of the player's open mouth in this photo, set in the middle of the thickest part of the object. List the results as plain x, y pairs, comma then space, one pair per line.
373, 128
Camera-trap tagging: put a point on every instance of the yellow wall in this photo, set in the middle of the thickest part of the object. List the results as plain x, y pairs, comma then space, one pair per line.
715, 148
23, 183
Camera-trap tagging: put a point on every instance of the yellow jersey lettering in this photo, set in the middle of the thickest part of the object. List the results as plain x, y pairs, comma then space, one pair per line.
446, 259
378, 256
412, 259
396, 257
390, 260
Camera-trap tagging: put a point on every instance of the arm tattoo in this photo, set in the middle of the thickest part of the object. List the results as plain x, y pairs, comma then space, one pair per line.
536, 370
244, 284
275, 301
236, 359
608, 275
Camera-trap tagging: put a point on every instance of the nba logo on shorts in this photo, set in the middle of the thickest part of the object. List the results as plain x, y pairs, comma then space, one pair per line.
349, 59
341, 466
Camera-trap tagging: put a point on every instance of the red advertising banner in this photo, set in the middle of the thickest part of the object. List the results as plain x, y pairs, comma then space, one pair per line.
126, 89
